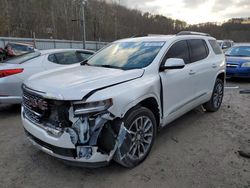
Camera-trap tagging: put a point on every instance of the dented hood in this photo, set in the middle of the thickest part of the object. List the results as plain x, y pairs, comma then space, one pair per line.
76, 82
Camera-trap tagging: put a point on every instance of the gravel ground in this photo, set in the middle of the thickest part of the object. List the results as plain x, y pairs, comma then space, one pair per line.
198, 150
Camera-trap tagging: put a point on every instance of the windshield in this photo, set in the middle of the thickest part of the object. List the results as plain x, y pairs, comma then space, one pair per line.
243, 51
127, 55
20, 47
22, 58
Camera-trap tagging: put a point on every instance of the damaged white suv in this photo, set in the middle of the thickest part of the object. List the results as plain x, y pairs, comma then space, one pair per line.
111, 106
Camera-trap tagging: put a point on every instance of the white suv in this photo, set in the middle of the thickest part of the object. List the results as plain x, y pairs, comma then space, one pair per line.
111, 106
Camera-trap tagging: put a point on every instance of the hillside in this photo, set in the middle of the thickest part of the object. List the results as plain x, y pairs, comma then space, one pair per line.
104, 21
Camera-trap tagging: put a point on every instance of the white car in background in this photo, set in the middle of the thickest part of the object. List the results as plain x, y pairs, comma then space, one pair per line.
225, 44
14, 71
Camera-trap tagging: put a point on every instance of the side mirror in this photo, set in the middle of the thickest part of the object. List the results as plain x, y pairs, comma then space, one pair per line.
173, 63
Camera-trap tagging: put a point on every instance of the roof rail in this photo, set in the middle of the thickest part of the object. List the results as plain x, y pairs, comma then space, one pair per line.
193, 33
145, 35
139, 35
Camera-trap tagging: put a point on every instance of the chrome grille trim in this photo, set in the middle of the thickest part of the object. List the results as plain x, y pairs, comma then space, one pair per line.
29, 111
232, 65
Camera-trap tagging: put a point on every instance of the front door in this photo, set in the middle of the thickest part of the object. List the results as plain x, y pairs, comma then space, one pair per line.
179, 85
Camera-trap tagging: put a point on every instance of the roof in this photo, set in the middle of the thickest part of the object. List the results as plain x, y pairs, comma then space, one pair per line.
163, 38
148, 38
43, 52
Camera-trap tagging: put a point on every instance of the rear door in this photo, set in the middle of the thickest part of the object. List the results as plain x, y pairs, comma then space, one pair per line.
199, 58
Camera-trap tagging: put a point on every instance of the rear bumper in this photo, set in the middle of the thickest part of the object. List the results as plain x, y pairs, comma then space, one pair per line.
238, 72
10, 99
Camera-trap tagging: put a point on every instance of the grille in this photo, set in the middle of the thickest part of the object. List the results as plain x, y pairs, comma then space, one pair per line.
35, 107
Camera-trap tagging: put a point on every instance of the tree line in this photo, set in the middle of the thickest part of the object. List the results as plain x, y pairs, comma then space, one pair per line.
61, 19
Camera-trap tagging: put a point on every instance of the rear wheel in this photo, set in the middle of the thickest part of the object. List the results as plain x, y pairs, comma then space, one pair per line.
141, 124
214, 103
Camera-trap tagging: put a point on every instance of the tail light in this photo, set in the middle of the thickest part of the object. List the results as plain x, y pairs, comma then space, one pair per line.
9, 72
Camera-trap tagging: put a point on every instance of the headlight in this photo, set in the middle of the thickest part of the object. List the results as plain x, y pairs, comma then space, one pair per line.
91, 107
247, 64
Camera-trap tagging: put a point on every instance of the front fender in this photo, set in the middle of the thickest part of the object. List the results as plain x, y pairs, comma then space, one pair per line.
127, 95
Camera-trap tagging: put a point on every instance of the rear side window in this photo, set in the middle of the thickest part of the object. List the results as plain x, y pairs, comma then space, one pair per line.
215, 46
198, 49
179, 50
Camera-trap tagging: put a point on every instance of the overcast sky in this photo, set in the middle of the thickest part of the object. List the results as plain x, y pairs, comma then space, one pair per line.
193, 11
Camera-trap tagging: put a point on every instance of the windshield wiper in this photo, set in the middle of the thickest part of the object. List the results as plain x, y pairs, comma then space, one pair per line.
110, 66
85, 62
236, 55
242, 56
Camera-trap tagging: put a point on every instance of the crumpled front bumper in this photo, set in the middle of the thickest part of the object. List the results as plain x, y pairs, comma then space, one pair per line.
62, 148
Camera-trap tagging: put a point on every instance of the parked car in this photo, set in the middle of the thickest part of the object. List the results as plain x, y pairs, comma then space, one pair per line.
16, 49
225, 44
111, 106
15, 70
238, 61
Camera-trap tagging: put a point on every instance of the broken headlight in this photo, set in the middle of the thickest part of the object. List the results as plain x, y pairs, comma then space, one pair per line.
81, 108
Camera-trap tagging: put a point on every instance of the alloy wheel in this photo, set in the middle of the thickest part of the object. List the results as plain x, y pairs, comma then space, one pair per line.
141, 130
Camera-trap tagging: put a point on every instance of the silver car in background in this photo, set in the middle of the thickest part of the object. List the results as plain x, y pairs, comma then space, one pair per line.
14, 71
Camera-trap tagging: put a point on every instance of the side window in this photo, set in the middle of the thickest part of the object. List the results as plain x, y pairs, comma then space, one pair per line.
215, 46
52, 58
179, 50
66, 58
198, 49
83, 55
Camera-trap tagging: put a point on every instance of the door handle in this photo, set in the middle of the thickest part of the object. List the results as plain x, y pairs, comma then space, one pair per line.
214, 66
191, 72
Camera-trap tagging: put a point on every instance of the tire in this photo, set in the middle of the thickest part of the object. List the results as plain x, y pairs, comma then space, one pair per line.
214, 103
140, 138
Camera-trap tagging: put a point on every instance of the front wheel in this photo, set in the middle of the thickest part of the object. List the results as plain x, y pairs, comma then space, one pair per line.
214, 103
141, 124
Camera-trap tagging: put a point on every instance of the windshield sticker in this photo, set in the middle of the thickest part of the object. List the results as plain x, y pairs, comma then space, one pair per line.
154, 44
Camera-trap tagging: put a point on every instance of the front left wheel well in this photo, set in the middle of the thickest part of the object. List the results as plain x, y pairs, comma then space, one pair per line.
152, 105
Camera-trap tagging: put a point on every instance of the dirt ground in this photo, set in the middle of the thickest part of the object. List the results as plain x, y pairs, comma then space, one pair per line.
198, 150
